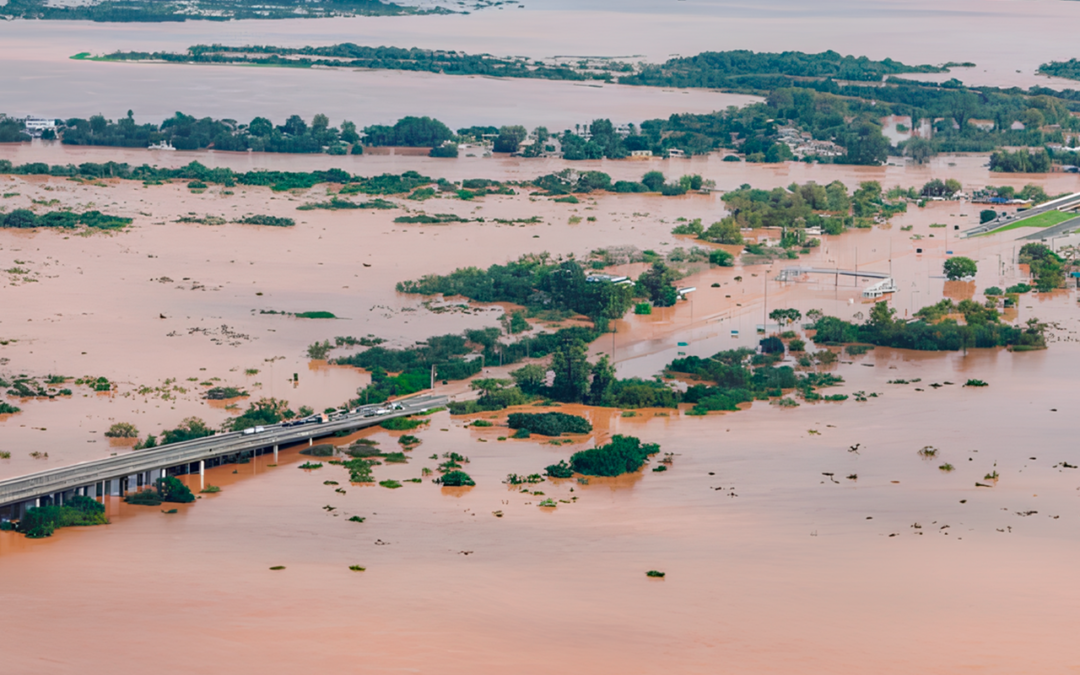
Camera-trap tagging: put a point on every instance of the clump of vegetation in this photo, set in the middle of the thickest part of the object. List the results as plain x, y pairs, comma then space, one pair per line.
624, 454
402, 423
314, 315
8, 409
549, 424
321, 450
223, 393
482, 423
395, 458
167, 489
359, 470
515, 479
357, 568
357, 519
210, 490
272, 221
928, 452
310, 465
79, 511
277, 567
122, 430
975, 383
409, 441
392, 484
655, 574
946, 467
456, 479
983, 328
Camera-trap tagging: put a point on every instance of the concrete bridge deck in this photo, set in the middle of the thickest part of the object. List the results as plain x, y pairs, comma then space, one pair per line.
789, 273
104, 476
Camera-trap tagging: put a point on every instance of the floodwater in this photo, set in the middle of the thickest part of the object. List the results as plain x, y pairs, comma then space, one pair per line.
810, 540
1006, 39
166, 305
775, 560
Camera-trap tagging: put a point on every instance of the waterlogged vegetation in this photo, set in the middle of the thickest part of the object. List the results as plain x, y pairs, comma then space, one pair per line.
168, 489
26, 219
211, 10
456, 478
41, 521
549, 424
623, 454
833, 98
935, 331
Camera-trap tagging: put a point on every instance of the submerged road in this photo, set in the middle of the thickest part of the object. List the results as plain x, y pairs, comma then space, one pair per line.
106, 476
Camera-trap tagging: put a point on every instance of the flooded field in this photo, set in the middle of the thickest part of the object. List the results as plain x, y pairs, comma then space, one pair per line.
1007, 40
814, 539
775, 559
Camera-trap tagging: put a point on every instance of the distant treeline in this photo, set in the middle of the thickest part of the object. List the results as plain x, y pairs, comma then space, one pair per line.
208, 10
349, 55
384, 184
832, 97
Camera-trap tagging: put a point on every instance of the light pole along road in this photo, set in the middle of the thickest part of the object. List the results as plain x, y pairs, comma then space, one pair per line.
111, 475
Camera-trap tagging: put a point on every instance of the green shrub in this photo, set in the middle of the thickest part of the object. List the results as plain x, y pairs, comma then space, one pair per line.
392, 484
521, 433
643, 308
223, 393
271, 221
321, 450
402, 424
457, 479
310, 465
481, 423
41, 521
210, 489
314, 315
560, 470
122, 430
409, 440
146, 497
549, 424
655, 574
624, 454
975, 383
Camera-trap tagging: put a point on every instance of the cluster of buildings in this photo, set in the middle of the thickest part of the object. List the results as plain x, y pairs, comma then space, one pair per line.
802, 144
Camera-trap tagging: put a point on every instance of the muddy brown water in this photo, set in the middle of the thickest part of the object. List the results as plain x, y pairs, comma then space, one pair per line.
771, 565
1006, 39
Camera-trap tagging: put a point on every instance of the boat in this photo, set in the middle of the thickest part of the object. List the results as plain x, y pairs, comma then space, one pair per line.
163, 145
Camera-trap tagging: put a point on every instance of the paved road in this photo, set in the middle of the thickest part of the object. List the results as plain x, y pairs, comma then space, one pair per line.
1003, 220
1055, 231
86, 474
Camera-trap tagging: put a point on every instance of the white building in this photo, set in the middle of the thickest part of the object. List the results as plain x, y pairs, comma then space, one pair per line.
36, 125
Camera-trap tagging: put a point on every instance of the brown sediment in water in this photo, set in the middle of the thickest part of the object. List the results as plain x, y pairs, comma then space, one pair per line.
772, 565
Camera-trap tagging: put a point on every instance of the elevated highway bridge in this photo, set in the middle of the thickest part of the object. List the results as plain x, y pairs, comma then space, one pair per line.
117, 475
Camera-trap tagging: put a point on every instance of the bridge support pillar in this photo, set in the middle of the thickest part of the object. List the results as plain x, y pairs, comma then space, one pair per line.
275, 453
202, 474
310, 441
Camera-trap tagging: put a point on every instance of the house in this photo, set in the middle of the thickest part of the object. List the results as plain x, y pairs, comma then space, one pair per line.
36, 125
675, 153
982, 125
1017, 126
641, 154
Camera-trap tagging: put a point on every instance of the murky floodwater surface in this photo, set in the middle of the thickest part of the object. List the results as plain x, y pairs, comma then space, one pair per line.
810, 540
